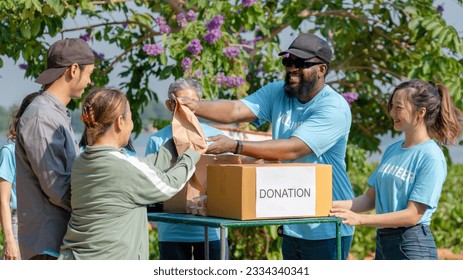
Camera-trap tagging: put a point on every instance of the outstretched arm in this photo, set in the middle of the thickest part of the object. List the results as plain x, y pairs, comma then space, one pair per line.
280, 149
220, 111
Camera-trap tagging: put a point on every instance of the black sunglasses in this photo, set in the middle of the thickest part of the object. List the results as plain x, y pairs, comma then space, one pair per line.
298, 63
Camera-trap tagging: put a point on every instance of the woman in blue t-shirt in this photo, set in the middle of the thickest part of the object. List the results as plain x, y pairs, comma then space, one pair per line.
8, 217
406, 186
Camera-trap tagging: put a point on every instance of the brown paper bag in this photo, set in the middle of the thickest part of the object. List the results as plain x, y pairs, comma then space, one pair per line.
186, 132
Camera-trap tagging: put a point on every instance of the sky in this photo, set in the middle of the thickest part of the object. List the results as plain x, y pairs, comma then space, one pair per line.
14, 87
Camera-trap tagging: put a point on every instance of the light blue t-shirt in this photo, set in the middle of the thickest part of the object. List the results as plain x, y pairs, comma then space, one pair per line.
176, 232
8, 170
416, 173
323, 124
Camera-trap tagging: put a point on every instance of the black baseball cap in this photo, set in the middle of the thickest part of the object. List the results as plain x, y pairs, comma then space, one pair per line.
61, 55
308, 45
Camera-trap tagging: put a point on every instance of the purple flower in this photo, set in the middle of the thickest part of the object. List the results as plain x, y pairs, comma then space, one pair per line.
160, 20
229, 81
231, 51
350, 97
220, 78
86, 37
198, 74
235, 81
248, 3
213, 36
195, 46
23, 66
440, 9
181, 20
153, 49
163, 27
98, 55
215, 23
191, 15
186, 63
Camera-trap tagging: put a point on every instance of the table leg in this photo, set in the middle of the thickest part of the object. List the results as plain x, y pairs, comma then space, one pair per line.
206, 243
338, 240
222, 243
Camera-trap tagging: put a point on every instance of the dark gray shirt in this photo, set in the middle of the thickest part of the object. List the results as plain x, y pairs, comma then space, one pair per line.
45, 151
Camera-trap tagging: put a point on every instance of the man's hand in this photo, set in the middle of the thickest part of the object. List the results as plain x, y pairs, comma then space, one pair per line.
221, 144
188, 102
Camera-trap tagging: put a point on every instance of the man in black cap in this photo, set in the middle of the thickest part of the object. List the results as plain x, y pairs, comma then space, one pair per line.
310, 124
46, 149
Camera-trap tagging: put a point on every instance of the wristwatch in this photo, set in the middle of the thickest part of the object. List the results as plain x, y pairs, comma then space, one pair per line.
239, 147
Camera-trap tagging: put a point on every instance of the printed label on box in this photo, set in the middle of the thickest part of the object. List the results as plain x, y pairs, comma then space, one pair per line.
285, 191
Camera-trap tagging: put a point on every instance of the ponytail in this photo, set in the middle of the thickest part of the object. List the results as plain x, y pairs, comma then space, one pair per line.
447, 127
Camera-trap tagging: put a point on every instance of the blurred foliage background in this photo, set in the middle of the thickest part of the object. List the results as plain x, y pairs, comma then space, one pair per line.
231, 47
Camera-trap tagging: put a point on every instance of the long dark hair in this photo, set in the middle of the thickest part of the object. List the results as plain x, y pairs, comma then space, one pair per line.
18, 114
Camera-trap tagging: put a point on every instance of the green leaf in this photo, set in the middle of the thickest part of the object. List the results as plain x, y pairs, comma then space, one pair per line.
37, 5
431, 25
57, 6
436, 32
25, 31
414, 23
163, 58
28, 4
35, 28
166, 72
410, 10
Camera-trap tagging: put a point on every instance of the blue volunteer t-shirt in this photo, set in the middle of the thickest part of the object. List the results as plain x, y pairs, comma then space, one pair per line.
8, 170
416, 173
176, 232
323, 124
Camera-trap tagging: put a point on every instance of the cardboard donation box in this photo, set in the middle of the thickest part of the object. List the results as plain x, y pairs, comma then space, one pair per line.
192, 199
269, 191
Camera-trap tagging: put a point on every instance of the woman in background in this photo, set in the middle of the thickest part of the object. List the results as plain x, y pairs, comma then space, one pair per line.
405, 188
8, 205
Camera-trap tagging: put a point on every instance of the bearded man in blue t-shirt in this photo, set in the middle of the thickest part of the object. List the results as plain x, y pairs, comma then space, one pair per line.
310, 124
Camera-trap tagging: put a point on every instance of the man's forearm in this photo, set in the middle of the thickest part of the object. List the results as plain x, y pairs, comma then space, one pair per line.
223, 111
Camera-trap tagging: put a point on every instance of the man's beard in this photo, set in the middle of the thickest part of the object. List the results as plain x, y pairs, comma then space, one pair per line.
299, 90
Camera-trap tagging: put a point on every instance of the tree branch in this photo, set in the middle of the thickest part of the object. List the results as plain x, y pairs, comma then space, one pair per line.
343, 14
129, 49
176, 5
90, 26
369, 68
108, 2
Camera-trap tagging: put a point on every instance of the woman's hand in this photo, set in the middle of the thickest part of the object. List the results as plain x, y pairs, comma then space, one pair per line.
349, 218
11, 251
